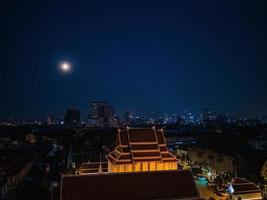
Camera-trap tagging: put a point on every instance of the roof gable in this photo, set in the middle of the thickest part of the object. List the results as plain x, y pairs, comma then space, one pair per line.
139, 145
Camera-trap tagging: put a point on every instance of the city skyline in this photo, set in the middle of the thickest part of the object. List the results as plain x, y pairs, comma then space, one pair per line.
141, 99
142, 57
88, 114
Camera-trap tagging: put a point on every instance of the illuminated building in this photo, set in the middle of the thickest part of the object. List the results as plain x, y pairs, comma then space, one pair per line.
140, 150
151, 172
31, 138
242, 189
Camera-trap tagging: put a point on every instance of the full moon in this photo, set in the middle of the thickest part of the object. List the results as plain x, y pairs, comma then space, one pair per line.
65, 67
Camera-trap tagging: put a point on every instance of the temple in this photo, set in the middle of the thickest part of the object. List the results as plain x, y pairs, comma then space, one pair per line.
139, 167
156, 185
140, 150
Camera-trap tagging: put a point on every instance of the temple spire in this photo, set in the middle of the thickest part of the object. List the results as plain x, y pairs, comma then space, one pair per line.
100, 170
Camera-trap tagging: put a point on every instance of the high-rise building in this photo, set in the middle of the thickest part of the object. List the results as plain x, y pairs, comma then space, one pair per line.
208, 116
205, 115
72, 117
127, 117
101, 111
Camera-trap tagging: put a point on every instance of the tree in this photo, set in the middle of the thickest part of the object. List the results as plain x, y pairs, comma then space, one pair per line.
199, 154
220, 158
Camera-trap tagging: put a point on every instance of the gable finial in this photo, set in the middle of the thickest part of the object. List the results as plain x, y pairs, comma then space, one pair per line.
100, 170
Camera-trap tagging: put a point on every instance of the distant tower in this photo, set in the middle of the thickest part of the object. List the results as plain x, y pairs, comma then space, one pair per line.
72, 117
69, 157
101, 111
205, 115
127, 117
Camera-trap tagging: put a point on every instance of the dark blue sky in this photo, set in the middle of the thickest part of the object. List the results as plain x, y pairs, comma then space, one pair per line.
141, 56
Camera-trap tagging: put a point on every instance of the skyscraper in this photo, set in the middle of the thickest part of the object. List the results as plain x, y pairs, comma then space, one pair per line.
72, 117
101, 111
127, 117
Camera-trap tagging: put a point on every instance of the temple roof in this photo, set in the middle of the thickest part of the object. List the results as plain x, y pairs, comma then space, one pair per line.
140, 145
242, 186
131, 186
245, 188
93, 167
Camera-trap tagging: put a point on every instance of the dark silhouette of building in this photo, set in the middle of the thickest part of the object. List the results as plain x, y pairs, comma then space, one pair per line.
72, 117
101, 111
127, 117
176, 184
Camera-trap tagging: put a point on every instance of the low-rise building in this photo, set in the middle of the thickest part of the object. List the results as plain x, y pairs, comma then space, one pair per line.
242, 189
13, 168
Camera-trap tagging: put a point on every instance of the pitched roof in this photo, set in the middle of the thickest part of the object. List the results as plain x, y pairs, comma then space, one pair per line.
245, 188
140, 144
15, 161
239, 181
131, 186
142, 135
92, 167
242, 186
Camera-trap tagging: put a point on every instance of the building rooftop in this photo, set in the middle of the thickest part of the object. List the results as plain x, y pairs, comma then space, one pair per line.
131, 186
242, 186
138, 145
13, 161
93, 167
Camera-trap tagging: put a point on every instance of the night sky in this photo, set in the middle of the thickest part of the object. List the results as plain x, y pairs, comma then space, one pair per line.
140, 56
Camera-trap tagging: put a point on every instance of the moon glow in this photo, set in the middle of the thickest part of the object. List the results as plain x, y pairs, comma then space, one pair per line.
65, 67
